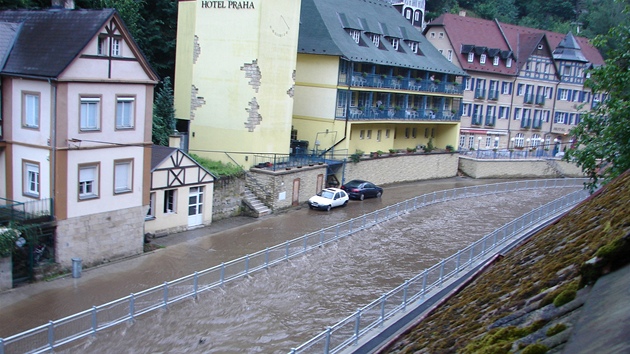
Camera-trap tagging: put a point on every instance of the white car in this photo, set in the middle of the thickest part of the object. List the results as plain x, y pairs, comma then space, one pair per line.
328, 198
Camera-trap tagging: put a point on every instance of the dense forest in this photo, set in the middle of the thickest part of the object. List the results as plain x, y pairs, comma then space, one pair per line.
153, 23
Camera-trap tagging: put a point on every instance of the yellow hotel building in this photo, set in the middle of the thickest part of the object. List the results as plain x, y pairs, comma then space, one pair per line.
255, 77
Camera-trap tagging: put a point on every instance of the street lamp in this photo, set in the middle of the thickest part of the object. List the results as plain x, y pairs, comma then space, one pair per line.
527, 147
512, 141
478, 145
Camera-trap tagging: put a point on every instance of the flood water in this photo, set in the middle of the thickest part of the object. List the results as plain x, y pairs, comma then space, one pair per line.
276, 310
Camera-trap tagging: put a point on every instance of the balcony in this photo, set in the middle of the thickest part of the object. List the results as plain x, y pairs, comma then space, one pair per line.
493, 95
491, 120
537, 124
381, 81
529, 98
385, 112
540, 100
480, 94
526, 123
33, 211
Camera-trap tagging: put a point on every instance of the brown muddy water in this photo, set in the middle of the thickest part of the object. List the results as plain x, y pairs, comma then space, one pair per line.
276, 310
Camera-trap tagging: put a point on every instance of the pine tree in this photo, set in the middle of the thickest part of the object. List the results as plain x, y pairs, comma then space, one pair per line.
163, 113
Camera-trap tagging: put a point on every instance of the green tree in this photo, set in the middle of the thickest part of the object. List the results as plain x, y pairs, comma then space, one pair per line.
602, 146
503, 10
163, 113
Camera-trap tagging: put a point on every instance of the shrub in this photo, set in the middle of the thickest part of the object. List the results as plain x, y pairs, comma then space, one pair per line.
535, 348
564, 297
556, 329
356, 157
219, 168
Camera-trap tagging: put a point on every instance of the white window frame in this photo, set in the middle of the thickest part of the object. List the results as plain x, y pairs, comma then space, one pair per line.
123, 176
116, 47
517, 113
471, 141
101, 46
356, 35
88, 181
32, 182
361, 134
563, 94
471, 57
449, 55
508, 63
482, 59
90, 114
376, 39
519, 140
30, 109
125, 112
414, 46
151, 212
170, 201
495, 61
395, 43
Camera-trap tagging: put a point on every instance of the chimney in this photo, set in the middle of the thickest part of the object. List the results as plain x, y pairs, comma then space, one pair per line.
65, 4
462, 13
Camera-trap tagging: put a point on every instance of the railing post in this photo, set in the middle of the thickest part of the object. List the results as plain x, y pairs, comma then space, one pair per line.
424, 283
404, 302
222, 278
321, 237
357, 326
337, 231
196, 285
132, 310
51, 334
459, 254
383, 298
327, 345
266, 257
1, 346
442, 272
472, 253
305, 243
165, 294
94, 320
286, 251
246, 264
364, 221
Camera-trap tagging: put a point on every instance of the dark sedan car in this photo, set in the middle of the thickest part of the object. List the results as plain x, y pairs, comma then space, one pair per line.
359, 189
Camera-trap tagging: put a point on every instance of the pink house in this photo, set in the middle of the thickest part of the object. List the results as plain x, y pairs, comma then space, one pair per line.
75, 138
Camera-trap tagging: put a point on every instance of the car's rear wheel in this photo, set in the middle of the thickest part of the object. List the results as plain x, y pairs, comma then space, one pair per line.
361, 196
379, 194
328, 208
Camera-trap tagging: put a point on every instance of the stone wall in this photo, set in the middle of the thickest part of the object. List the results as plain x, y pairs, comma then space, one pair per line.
527, 168
275, 188
403, 168
228, 196
100, 238
6, 273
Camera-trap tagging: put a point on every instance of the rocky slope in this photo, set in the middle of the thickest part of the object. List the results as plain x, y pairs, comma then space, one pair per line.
529, 300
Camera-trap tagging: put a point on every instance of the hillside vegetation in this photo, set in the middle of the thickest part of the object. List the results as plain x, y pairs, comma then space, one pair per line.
525, 298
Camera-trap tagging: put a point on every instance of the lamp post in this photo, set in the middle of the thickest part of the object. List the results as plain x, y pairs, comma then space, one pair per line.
496, 146
511, 148
555, 146
527, 147
478, 145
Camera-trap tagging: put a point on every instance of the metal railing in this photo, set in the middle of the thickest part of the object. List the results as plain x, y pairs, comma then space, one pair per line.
415, 291
11, 210
503, 154
60, 332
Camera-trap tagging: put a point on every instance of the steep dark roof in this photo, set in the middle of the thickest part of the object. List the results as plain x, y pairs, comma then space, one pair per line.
569, 49
324, 25
49, 40
159, 153
8, 33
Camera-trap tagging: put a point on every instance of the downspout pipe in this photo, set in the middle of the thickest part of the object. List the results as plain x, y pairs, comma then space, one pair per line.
53, 145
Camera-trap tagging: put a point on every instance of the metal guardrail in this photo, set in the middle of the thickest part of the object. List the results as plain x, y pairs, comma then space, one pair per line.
60, 332
11, 210
415, 291
508, 155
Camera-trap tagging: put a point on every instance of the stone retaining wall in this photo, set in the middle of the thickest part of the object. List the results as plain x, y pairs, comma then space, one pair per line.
227, 197
403, 168
521, 168
275, 188
100, 238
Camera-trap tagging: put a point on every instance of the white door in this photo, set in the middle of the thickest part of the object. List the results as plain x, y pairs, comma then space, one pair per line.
195, 206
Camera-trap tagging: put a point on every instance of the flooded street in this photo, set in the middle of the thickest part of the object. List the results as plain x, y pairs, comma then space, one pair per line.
275, 310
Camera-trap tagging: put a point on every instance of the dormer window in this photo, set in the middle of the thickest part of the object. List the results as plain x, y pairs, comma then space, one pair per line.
441, 35
356, 35
495, 61
413, 46
471, 57
508, 62
482, 59
376, 39
395, 43
109, 46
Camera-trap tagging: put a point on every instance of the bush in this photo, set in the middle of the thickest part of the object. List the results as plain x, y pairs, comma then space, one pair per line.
535, 348
556, 329
356, 157
564, 297
219, 168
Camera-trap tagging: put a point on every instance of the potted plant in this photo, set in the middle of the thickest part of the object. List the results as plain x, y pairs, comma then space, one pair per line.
449, 148
393, 151
411, 150
399, 77
364, 74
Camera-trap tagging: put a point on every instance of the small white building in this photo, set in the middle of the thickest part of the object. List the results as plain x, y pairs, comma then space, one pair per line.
181, 192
